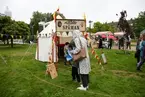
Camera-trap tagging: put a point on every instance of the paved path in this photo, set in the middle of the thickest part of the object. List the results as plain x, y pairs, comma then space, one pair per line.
133, 48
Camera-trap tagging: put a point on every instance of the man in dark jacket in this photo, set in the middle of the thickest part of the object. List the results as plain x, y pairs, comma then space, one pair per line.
110, 43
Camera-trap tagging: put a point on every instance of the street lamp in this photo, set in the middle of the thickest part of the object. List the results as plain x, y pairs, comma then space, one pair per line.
90, 22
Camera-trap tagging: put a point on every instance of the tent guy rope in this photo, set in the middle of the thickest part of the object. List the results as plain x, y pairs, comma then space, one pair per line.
3, 59
59, 86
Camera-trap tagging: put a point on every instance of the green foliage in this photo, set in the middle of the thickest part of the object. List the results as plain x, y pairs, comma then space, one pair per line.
23, 28
139, 23
37, 17
101, 27
89, 29
4, 21
11, 27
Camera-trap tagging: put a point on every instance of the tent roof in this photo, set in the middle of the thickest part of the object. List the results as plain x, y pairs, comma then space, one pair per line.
49, 29
119, 33
104, 32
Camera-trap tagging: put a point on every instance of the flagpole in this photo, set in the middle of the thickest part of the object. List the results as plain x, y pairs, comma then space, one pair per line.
85, 23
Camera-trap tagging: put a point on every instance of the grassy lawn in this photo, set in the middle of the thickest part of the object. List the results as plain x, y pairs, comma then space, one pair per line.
25, 77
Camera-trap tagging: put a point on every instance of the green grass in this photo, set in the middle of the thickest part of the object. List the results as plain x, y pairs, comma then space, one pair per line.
26, 78
134, 40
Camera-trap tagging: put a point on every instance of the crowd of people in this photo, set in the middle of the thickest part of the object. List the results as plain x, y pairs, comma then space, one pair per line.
81, 68
107, 45
121, 42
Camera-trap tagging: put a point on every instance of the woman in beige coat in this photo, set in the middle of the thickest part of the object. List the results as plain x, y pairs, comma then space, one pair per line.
84, 64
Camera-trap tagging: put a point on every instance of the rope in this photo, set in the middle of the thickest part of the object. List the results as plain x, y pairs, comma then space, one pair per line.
3, 59
90, 92
25, 54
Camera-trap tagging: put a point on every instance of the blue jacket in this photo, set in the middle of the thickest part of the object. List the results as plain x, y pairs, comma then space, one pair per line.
142, 48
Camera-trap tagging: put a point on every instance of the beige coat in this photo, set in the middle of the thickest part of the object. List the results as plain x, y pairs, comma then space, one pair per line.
84, 65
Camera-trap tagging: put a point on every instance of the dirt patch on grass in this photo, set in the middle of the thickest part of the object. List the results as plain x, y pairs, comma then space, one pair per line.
128, 74
21, 54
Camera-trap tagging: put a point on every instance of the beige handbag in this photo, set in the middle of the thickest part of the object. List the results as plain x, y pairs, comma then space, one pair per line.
80, 55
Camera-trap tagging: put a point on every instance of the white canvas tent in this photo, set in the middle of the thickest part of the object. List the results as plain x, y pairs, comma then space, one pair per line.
44, 47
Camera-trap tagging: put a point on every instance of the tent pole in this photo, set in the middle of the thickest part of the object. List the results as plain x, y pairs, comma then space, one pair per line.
38, 48
52, 48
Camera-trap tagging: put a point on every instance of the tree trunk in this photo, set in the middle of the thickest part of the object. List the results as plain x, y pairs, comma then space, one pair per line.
23, 39
11, 42
7, 41
4, 41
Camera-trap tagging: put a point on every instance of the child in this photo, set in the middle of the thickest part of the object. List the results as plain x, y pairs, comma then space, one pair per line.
142, 51
65, 52
75, 65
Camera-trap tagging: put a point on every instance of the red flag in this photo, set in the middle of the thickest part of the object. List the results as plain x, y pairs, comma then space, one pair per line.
86, 36
93, 53
96, 57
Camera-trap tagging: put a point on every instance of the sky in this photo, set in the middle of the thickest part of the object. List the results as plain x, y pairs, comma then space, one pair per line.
95, 10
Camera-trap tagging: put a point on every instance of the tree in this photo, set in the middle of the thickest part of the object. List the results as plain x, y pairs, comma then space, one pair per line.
11, 28
101, 27
37, 17
139, 23
23, 28
88, 29
8, 31
97, 27
4, 21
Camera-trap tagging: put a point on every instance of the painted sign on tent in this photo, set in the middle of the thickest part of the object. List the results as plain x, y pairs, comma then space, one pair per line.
63, 25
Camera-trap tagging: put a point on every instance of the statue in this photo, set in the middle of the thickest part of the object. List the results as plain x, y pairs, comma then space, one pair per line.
124, 26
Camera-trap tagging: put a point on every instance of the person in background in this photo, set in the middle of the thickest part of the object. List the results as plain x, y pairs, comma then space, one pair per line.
142, 52
128, 44
121, 43
84, 64
100, 42
110, 43
75, 65
137, 53
65, 52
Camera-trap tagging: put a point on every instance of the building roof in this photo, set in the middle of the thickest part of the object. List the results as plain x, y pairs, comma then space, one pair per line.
104, 32
1, 14
118, 33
